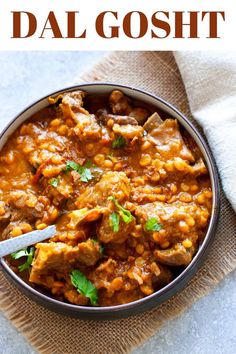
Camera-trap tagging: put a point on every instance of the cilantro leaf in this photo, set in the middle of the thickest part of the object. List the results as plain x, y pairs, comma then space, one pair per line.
85, 173
19, 254
71, 165
153, 225
114, 219
101, 247
124, 213
25, 252
119, 142
54, 182
84, 286
89, 164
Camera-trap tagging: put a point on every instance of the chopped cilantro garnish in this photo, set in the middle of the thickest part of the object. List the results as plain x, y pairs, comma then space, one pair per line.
101, 247
84, 171
114, 219
84, 286
153, 225
54, 182
125, 214
119, 142
71, 165
89, 164
25, 252
85, 175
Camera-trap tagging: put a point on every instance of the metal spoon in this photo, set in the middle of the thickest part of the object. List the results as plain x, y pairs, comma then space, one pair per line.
17, 243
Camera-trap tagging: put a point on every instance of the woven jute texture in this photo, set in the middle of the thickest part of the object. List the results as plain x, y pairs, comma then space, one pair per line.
52, 333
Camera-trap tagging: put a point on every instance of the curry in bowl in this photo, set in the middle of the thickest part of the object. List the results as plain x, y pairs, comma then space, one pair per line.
126, 186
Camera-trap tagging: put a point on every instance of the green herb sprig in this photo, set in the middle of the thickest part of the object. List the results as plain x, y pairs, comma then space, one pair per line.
101, 247
84, 171
25, 252
84, 286
152, 224
114, 219
54, 182
119, 143
122, 212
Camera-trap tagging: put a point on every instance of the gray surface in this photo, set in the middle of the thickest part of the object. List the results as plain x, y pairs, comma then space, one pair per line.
209, 326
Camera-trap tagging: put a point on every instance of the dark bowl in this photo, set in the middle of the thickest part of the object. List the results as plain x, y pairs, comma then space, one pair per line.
155, 299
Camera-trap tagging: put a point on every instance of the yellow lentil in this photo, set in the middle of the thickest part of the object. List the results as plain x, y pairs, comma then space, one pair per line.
41, 226
145, 145
173, 188
185, 197
117, 283
165, 244
183, 226
184, 187
16, 231
139, 248
55, 122
194, 188
201, 198
110, 123
187, 243
63, 129
108, 164
31, 201
69, 122
145, 160
147, 290
180, 164
99, 159
190, 220
26, 227
169, 166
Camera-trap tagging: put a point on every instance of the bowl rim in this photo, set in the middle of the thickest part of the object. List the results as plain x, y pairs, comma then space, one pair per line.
177, 283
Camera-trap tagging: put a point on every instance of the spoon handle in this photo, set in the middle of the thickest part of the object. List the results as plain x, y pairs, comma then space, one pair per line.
17, 243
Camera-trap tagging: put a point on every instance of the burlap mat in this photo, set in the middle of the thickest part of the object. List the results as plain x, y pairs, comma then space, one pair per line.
51, 333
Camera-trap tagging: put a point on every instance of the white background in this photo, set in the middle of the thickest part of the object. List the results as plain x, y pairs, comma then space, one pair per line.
89, 10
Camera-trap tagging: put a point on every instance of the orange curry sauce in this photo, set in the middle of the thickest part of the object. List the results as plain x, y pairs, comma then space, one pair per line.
129, 192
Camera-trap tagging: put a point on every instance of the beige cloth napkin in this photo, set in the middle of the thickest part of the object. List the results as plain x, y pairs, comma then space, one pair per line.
51, 333
210, 83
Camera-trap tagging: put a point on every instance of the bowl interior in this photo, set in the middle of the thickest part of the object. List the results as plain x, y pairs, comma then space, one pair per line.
149, 99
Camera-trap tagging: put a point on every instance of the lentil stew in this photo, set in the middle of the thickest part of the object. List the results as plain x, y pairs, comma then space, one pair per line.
126, 187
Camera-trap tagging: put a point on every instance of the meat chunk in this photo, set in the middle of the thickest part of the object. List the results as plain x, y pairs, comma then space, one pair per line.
84, 215
87, 127
167, 138
140, 114
120, 104
199, 168
71, 103
176, 256
23, 205
106, 233
128, 131
88, 252
172, 218
60, 258
153, 122
104, 117
5, 212
119, 281
111, 183
7, 232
